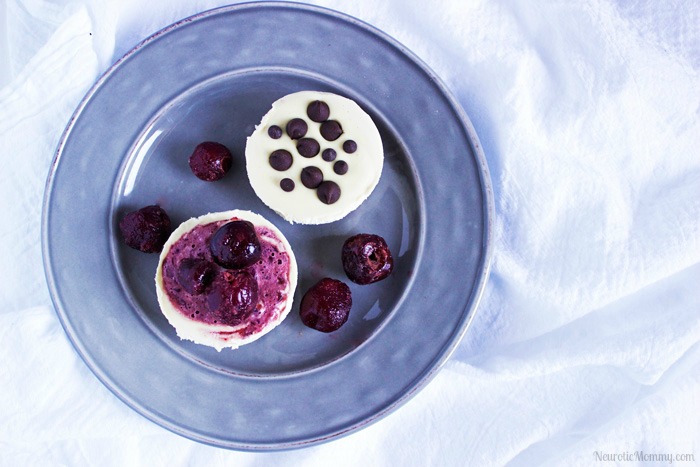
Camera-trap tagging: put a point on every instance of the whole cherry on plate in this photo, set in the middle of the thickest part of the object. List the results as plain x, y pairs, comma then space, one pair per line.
326, 305
210, 161
366, 258
146, 229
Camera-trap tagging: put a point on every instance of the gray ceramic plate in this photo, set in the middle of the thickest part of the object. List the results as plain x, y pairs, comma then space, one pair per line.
212, 77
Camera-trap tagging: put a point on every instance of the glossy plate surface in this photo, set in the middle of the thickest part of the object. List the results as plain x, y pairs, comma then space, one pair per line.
212, 77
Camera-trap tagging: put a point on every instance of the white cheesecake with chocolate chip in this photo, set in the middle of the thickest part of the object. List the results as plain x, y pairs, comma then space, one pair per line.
315, 157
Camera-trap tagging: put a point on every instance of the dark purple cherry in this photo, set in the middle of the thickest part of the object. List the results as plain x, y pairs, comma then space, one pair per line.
233, 295
146, 229
331, 130
235, 245
297, 128
366, 258
326, 305
210, 161
195, 274
318, 111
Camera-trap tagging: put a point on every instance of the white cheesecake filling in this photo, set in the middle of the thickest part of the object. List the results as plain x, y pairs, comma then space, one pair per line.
217, 335
302, 204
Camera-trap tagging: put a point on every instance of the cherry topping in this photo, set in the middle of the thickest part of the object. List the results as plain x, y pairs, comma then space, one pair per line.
234, 294
366, 258
146, 229
210, 161
195, 275
326, 305
235, 245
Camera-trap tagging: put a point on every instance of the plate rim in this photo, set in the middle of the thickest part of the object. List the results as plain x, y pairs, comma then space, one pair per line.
483, 266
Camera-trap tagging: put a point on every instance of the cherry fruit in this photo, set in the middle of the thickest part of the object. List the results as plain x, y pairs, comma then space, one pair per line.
366, 258
195, 275
235, 245
210, 161
234, 296
146, 229
326, 305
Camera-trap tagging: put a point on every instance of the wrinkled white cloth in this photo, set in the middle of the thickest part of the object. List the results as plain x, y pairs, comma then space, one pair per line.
586, 342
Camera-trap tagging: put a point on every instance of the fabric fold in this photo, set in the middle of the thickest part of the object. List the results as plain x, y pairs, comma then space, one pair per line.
36, 107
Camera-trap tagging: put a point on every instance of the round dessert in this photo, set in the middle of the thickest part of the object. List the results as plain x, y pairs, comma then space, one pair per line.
315, 157
226, 279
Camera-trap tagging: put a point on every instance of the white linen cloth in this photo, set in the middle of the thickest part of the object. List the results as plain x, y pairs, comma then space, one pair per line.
586, 344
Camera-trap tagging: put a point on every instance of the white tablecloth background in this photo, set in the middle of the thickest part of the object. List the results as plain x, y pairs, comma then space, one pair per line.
587, 337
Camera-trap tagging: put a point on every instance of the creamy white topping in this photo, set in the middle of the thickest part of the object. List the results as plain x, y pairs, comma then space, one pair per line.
302, 204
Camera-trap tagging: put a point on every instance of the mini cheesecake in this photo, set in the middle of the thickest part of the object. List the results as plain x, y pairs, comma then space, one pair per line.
225, 306
315, 157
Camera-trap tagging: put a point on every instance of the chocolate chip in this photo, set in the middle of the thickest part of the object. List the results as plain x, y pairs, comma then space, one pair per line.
274, 132
308, 147
328, 192
350, 146
329, 155
311, 176
287, 184
280, 159
331, 130
340, 167
318, 111
297, 128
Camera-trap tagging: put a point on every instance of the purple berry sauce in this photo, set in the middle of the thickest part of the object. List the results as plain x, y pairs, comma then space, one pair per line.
271, 273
